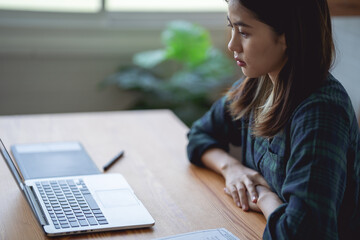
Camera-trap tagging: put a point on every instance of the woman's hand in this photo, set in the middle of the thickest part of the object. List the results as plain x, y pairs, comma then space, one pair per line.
252, 206
241, 181
241, 185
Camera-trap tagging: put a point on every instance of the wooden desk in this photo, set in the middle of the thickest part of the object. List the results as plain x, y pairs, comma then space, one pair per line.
180, 197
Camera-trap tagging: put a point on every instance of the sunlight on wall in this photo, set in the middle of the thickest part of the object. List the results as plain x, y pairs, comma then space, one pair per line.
167, 5
115, 5
52, 6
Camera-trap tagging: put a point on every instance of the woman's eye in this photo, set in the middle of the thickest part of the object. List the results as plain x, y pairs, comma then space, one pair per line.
244, 34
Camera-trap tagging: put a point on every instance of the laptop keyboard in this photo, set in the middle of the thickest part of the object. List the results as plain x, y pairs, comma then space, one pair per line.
70, 204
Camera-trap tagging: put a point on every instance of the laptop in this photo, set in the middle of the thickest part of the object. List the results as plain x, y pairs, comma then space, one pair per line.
82, 203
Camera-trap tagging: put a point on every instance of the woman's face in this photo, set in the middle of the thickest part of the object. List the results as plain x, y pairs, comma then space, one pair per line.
258, 50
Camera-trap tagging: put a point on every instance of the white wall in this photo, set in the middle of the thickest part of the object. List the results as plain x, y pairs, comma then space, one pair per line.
347, 64
53, 62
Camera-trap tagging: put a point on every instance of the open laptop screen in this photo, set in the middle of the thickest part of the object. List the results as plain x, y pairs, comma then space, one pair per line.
55, 159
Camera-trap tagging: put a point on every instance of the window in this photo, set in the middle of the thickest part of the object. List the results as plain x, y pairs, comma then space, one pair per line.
100, 27
166, 5
52, 6
93, 6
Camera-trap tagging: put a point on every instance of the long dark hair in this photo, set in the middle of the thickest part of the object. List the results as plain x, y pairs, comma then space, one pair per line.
310, 53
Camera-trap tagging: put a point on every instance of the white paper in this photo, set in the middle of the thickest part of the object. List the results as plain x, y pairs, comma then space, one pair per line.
210, 234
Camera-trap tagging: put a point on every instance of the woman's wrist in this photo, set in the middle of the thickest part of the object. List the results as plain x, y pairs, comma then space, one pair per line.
219, 160
268, 201
229, 164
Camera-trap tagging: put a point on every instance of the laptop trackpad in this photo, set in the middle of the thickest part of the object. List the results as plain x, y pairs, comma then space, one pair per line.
117, 198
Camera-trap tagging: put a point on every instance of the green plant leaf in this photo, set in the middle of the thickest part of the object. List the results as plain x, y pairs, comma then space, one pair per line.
186, 42
216, 66
134, 78
150, 59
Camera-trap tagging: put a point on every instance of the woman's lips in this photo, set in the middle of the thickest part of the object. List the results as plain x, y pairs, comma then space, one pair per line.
240, 63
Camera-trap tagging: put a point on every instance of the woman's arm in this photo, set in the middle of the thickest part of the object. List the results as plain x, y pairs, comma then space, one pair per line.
268, 201
218, 160
215, 129
240, 180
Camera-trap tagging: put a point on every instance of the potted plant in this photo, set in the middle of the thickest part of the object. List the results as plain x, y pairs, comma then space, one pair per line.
184, 76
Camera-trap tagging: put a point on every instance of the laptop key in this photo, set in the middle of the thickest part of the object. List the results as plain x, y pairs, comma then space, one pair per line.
102, 222
97, 211
101, 218
91, 201
65, 225
92, 221
99, 215
72, 219
74, 224
85, 208
83, 223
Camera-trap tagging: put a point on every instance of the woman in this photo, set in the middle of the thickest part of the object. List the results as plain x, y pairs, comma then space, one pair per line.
294, 121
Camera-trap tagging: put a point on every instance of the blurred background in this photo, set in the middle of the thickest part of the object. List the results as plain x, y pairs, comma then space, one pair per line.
55, 55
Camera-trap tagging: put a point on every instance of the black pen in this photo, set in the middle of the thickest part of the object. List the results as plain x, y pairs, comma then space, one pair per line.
112, 161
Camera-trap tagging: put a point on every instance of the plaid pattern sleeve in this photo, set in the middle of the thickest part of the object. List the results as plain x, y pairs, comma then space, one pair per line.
321, 181
214, 130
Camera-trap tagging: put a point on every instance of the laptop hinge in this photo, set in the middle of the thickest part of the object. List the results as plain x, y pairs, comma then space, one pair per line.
35, 205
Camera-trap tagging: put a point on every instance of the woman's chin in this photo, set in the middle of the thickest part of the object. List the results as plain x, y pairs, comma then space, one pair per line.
249, 74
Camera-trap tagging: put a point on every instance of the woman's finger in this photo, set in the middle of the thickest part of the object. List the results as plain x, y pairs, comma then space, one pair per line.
234, 194
251, 188
243, 196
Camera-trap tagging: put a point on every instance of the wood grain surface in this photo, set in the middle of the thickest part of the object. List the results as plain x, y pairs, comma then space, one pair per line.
180, 197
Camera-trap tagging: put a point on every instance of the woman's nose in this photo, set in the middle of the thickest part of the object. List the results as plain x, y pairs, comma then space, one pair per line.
234, 44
